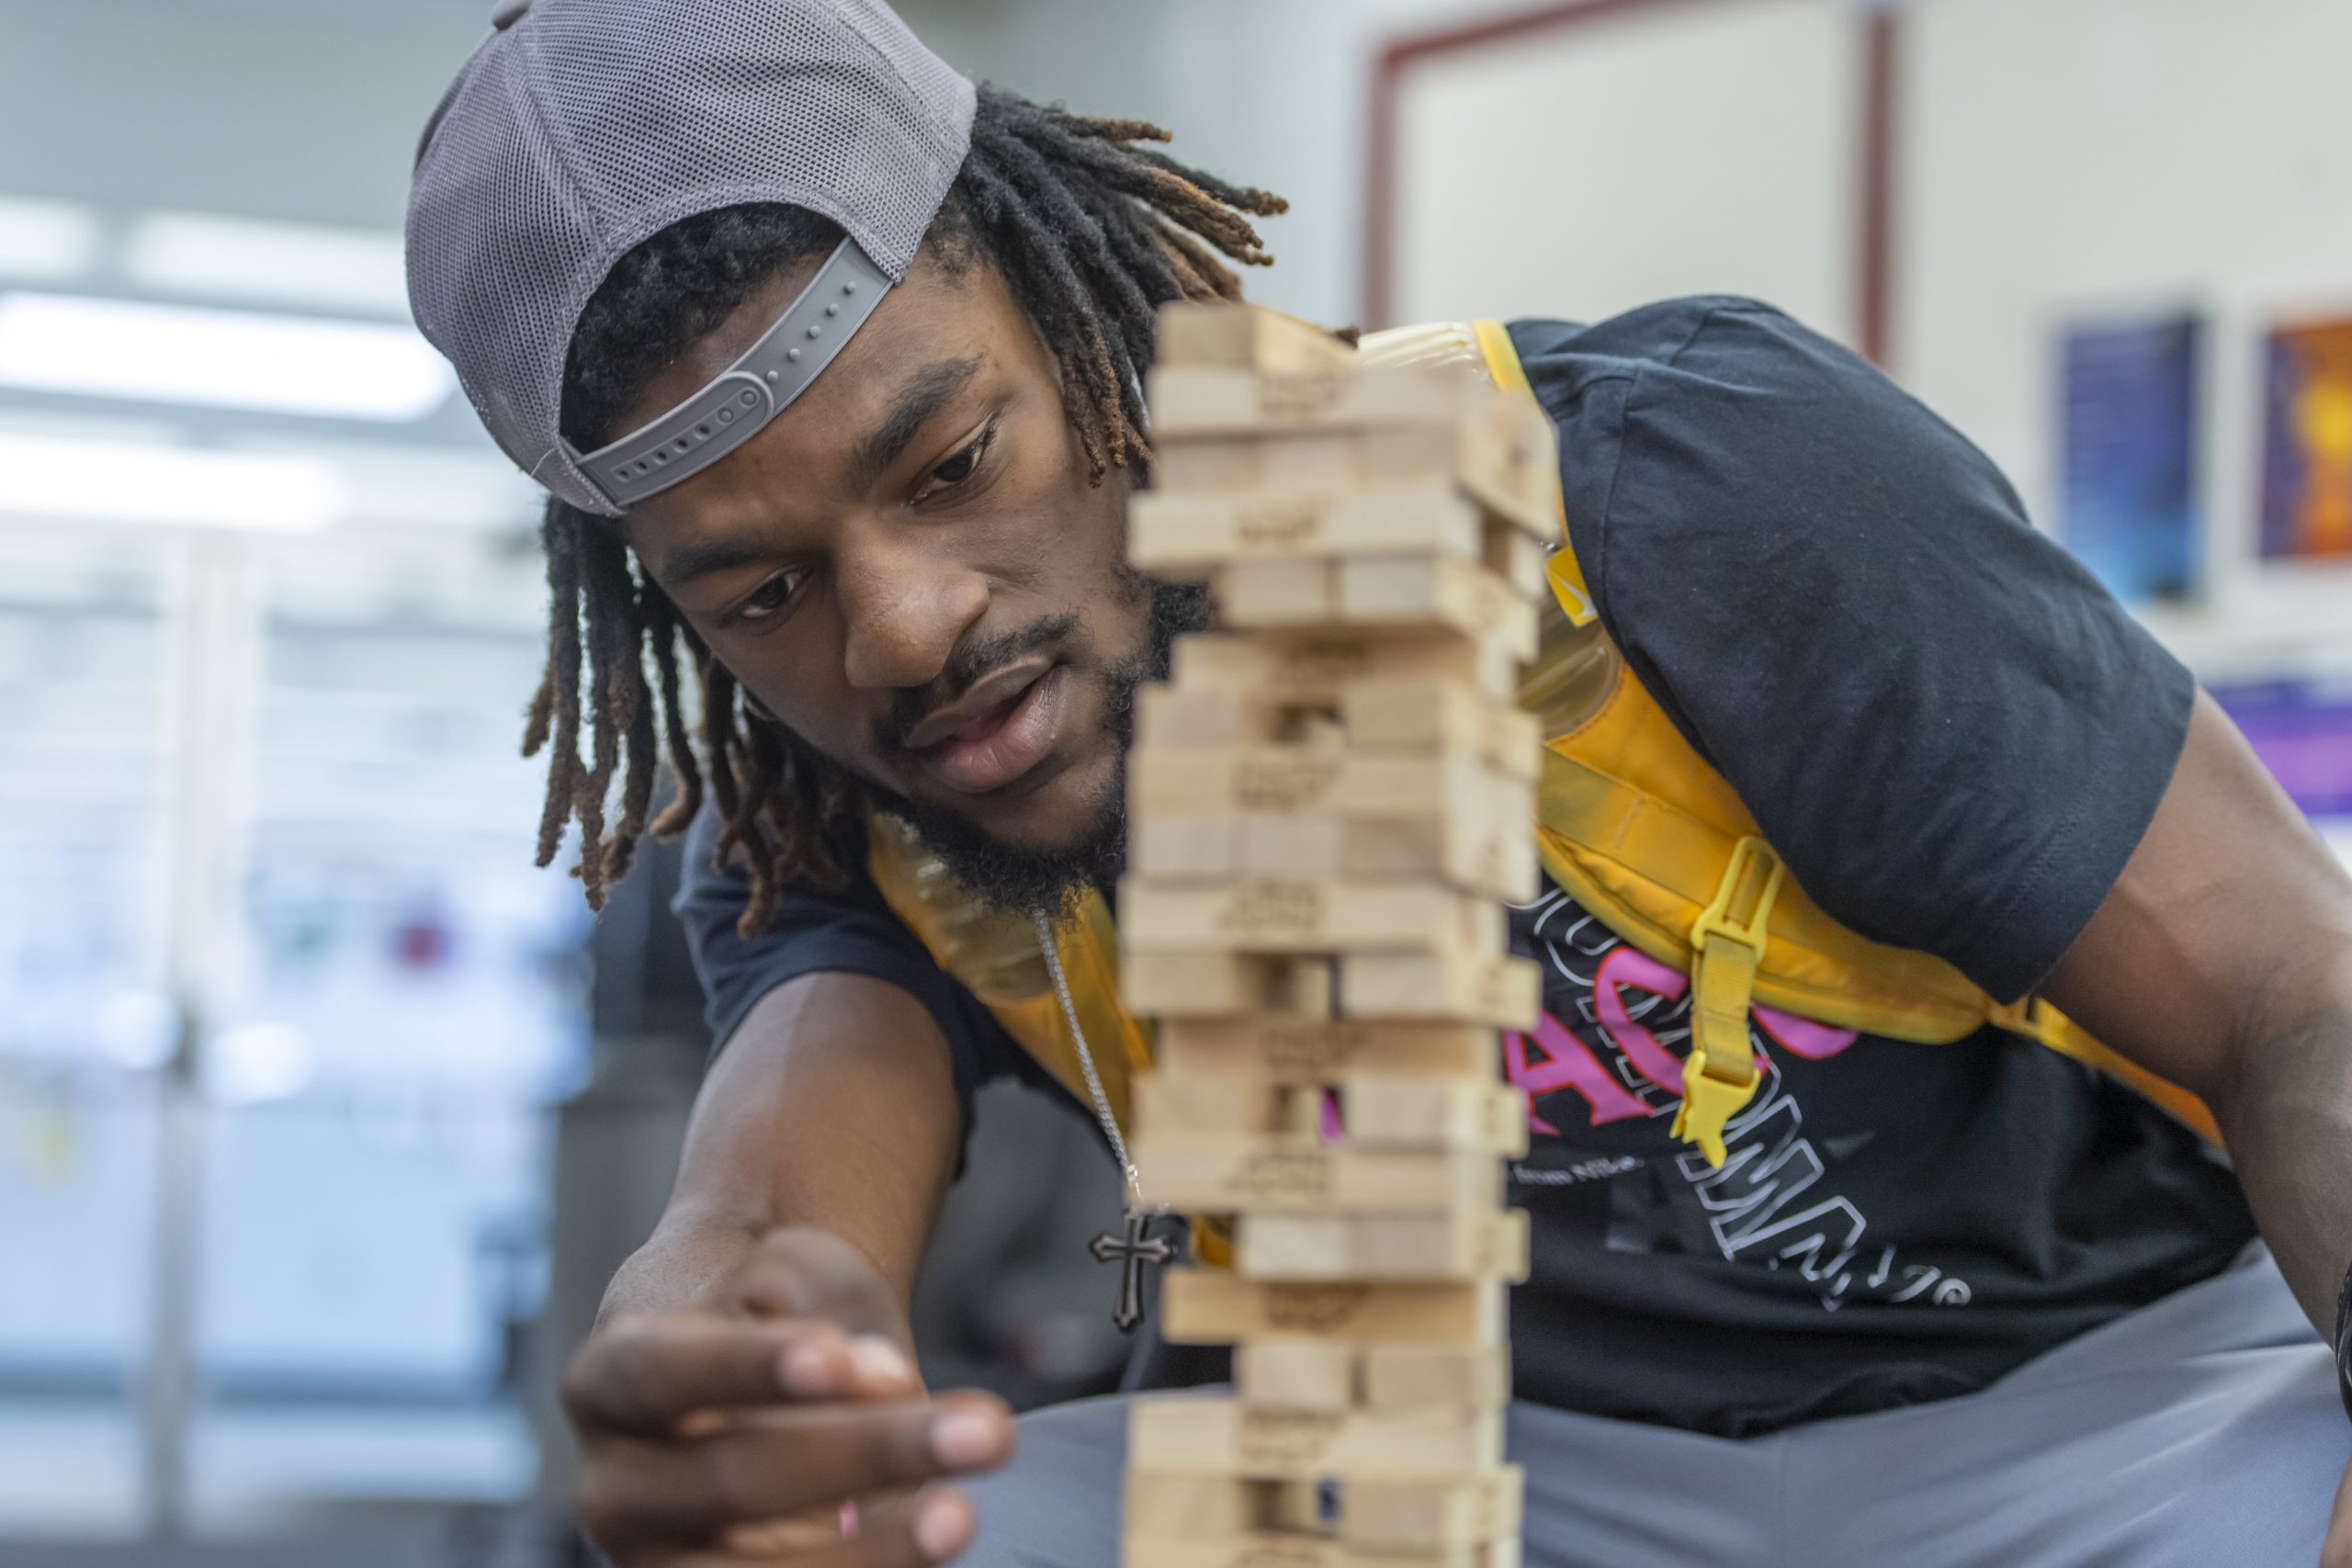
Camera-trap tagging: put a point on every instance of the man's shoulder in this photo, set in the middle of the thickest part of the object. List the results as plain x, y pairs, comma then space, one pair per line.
1712, 335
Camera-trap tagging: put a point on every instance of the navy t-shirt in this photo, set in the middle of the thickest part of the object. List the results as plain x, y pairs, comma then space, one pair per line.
1955, 738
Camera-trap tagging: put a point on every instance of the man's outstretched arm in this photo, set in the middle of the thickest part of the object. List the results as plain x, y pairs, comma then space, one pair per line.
2223, 959
832, 1105
751, 1363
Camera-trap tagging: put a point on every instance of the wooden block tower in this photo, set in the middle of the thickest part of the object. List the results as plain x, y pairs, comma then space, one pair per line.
1330, 803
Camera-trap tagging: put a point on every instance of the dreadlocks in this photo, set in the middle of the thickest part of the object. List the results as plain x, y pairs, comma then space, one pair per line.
1092, 233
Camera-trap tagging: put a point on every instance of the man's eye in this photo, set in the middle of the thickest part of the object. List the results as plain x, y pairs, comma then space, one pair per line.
769, 597
962, 466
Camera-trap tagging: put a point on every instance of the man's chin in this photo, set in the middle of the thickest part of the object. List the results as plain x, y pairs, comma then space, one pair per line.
1024, 878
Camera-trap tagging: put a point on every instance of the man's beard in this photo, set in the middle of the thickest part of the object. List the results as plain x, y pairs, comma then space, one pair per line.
1047, 881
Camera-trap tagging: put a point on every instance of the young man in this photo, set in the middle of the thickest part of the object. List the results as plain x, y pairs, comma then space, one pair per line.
834, 369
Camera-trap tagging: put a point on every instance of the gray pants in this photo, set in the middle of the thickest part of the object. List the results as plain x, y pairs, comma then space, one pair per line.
2203, 1430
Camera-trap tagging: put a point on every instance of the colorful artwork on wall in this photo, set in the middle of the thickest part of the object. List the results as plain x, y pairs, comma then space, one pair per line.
2307, 441
2130, 453
2302, 731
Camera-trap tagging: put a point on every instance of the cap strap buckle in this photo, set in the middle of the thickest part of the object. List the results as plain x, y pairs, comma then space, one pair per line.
739, 402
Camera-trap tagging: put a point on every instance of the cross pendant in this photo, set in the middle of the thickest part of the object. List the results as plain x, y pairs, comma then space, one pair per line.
1131, 1252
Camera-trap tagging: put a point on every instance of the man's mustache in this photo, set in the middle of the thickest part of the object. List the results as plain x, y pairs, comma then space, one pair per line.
965, 667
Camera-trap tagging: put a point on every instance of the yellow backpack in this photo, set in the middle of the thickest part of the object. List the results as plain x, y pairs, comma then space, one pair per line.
1632, 823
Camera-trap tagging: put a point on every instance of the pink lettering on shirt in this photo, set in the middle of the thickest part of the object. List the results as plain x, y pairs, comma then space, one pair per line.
1556, 1059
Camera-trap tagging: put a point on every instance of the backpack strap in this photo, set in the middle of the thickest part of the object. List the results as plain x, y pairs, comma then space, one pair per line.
1560, 569
1719, 1074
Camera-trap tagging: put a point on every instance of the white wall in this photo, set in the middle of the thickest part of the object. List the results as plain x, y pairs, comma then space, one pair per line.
1270, 93
1583, 169
274, 108
2064, 157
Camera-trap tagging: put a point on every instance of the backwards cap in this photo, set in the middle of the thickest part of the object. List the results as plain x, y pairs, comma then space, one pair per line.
581, 127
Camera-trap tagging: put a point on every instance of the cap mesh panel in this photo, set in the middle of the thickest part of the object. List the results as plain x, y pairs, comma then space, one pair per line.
590, 125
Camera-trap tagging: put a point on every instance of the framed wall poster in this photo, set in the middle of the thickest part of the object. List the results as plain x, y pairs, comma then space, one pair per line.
2307, 440
2129, 452
2302, 729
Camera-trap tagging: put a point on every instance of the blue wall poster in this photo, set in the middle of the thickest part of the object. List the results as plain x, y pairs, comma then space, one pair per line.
2129, 448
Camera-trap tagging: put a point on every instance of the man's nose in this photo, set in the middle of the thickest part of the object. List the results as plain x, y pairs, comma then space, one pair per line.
903, 608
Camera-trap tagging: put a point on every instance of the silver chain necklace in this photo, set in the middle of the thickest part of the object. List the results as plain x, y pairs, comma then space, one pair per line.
1086, 1062
1136, 1247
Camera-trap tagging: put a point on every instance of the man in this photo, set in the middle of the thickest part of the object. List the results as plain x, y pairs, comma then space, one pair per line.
833, 369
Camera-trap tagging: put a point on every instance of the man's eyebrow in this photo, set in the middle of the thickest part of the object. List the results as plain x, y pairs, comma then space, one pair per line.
922, 396
919, 398
687, 562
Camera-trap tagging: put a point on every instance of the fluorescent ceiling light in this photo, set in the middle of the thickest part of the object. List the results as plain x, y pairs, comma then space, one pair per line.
287, 263
46, 242
172, 353
117, 481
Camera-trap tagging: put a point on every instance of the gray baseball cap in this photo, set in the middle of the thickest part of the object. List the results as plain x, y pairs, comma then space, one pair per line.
581, 127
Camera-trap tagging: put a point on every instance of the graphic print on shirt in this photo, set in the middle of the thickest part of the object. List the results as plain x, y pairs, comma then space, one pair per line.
1609, 1051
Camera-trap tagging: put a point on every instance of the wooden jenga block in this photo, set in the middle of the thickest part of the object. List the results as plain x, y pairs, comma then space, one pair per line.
1318, 667
1245, 338
1464, 983
1180, 533
1188, 399
1224, 1104
1308, 1374
1410, 1377
1298, 1374
1450, 987
1380, 1248
1189, 402
1441, 716
1351, 782
1275, 1172
1489, 857
1517, 559
1506, 467
1278, 594
1171, 718
1432, 1517
1184, 826
1301, 1051
1501, 447
1225, 984
1274, 1550
1206, 1306
1419, 589
1267, 916
1228, 1438
1412, 1111
1361, 1112
1389, 589
1216, 1507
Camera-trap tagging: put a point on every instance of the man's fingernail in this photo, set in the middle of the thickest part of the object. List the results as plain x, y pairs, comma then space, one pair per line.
807, 1370
943, 1525
967, 1436
879, 1360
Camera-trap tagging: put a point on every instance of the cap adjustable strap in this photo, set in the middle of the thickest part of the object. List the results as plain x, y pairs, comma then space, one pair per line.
1719, 1074
759, 386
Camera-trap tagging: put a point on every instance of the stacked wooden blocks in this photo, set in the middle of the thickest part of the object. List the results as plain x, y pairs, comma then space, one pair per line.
1330, 803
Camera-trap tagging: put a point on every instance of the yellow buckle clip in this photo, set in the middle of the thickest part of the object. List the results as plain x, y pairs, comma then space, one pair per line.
1719, 1074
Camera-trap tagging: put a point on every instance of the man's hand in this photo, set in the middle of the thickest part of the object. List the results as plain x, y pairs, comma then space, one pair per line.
732, 1432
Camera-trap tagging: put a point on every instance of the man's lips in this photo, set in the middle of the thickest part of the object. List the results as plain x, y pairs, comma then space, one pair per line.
987, 694
995, 742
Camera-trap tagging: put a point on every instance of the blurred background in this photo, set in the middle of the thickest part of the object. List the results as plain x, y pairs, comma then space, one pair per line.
324, 1116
